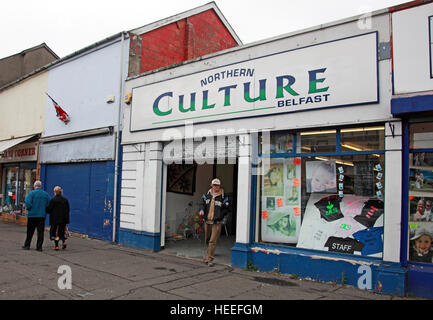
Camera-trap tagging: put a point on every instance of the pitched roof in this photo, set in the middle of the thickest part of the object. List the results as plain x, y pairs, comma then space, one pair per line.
211, 5
42, 45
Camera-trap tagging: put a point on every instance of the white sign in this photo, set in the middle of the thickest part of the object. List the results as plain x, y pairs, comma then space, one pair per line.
21, 152
332, 74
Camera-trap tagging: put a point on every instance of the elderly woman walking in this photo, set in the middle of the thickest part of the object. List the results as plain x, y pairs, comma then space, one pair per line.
58, 208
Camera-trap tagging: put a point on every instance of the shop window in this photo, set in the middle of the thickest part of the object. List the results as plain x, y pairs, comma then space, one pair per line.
18, 182
362, 139
10, 194
317, 141
276, 142
421, 193
329, 202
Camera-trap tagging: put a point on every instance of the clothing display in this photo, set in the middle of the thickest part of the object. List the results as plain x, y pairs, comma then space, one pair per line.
343, 245
371, 211
372, 239
329, 208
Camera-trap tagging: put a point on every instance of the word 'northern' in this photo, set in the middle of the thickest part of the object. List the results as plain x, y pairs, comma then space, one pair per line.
284, 86
227, 74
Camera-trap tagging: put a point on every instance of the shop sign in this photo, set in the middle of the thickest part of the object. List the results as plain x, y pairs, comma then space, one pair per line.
22, 152
338, 73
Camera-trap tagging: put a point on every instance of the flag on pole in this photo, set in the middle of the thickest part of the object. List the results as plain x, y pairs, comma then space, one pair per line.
61, 114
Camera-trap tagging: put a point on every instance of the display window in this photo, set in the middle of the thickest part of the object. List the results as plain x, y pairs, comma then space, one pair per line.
329, 199
18, 182
421, 193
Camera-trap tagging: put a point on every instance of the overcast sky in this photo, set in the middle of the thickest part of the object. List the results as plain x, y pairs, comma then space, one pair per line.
67, 26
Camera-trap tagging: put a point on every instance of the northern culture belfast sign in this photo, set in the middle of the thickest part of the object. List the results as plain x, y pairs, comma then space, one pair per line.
338, 73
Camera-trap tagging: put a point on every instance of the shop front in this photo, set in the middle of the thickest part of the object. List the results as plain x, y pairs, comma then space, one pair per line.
412, 103
19, 172
417, 179
318, 153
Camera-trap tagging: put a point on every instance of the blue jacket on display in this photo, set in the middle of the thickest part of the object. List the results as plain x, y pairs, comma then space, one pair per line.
36, 203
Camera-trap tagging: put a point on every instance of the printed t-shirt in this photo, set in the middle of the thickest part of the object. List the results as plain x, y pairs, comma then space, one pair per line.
329, 208
343, 245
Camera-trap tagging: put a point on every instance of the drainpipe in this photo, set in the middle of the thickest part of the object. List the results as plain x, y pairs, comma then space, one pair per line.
117, 146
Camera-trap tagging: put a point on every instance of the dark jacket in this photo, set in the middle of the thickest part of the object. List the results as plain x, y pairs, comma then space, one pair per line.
58, 208
222, 206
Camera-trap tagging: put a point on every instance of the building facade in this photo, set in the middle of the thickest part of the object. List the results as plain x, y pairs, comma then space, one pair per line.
82, 156
412, 102
79, 154
305, 120
22, 104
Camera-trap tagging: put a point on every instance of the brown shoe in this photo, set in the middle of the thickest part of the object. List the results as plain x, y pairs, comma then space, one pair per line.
56, 249
64, 245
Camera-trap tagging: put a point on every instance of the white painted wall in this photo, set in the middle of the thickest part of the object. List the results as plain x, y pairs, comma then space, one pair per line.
411, 42
81, 86
23, 107
393, 194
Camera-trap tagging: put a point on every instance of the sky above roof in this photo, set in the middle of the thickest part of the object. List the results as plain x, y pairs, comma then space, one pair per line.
68, 26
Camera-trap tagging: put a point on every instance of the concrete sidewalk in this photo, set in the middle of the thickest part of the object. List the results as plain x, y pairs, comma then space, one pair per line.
104, 271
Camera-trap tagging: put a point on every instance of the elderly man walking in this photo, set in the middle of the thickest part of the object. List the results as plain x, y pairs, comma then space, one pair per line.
36, 204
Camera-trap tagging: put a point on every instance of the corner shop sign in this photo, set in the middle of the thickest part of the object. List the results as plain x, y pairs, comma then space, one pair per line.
21, 152
331, 74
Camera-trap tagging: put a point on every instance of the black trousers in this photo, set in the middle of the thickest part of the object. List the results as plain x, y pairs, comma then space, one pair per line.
32, 224
58, 230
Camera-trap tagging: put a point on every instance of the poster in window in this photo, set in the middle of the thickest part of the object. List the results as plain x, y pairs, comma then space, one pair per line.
420, 209
420, 242
364, 179
420, 228
321, 176
421, 180
281, 219
273, 180
181, 178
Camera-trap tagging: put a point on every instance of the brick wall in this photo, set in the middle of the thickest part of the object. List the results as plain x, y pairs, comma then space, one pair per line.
185, 39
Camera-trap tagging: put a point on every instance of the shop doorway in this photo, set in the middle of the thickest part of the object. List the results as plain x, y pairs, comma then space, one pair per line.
184, 230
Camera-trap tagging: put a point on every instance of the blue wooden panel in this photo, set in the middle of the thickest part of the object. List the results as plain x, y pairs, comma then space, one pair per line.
89, 189
97, 199
420, 280
74, 180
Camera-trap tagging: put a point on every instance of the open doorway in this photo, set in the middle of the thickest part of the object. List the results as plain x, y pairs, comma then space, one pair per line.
184, 229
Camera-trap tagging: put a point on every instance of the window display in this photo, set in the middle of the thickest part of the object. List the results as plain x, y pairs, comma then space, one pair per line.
330, 202
421, 192
18, 182
281, 201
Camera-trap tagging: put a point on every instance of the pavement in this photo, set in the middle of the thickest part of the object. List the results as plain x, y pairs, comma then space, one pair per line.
105, 271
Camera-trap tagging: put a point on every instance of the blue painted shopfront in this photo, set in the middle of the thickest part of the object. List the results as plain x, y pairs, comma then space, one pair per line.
89, 188
413, 110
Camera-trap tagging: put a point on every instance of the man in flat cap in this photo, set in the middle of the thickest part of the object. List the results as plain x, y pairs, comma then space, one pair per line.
214, 208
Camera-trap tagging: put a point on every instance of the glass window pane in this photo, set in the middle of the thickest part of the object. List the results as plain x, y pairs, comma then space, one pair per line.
420, 207
323, 203
276, 142
421, 135
362, 139
317, 141
10, 193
